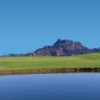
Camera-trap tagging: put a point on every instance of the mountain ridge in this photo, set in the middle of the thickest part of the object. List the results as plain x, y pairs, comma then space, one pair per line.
64, 47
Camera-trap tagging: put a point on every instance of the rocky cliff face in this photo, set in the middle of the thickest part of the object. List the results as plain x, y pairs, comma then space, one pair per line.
62, 48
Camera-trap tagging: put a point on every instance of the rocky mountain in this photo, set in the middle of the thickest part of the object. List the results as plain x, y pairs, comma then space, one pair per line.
63, 48
60, 48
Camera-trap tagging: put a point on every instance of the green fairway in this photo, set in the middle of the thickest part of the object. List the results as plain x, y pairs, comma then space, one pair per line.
80, 61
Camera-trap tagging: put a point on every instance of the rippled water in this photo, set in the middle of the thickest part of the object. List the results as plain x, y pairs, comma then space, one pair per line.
50, 87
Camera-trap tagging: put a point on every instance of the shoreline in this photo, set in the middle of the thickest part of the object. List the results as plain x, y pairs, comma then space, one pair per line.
47, 70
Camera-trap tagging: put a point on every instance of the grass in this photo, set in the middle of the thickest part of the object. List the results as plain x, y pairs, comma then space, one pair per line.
28, 64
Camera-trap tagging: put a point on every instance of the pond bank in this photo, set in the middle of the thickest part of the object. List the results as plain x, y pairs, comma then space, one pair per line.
47, 70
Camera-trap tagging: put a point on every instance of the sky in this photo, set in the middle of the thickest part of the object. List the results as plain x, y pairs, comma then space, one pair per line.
26, 25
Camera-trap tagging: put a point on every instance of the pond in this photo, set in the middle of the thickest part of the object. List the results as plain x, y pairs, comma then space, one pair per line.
81, 86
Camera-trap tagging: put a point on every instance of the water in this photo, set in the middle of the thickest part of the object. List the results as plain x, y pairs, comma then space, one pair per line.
50, 87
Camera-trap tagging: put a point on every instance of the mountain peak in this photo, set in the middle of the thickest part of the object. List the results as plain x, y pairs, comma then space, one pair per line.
62, 48
59, 41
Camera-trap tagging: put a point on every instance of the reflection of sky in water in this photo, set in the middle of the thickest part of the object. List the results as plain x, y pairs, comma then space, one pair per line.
50, 87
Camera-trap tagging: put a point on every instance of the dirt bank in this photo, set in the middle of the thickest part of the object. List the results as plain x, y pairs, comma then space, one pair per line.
47, 70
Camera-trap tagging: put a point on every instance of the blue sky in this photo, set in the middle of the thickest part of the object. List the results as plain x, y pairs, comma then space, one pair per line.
29, 24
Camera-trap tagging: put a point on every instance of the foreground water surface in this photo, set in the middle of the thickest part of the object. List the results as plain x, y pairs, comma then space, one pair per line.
81, 86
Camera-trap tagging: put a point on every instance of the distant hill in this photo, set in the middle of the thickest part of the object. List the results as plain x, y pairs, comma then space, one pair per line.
64, 48
60, 48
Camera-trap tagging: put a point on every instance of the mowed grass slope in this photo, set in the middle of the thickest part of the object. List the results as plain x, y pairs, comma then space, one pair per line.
80, 61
